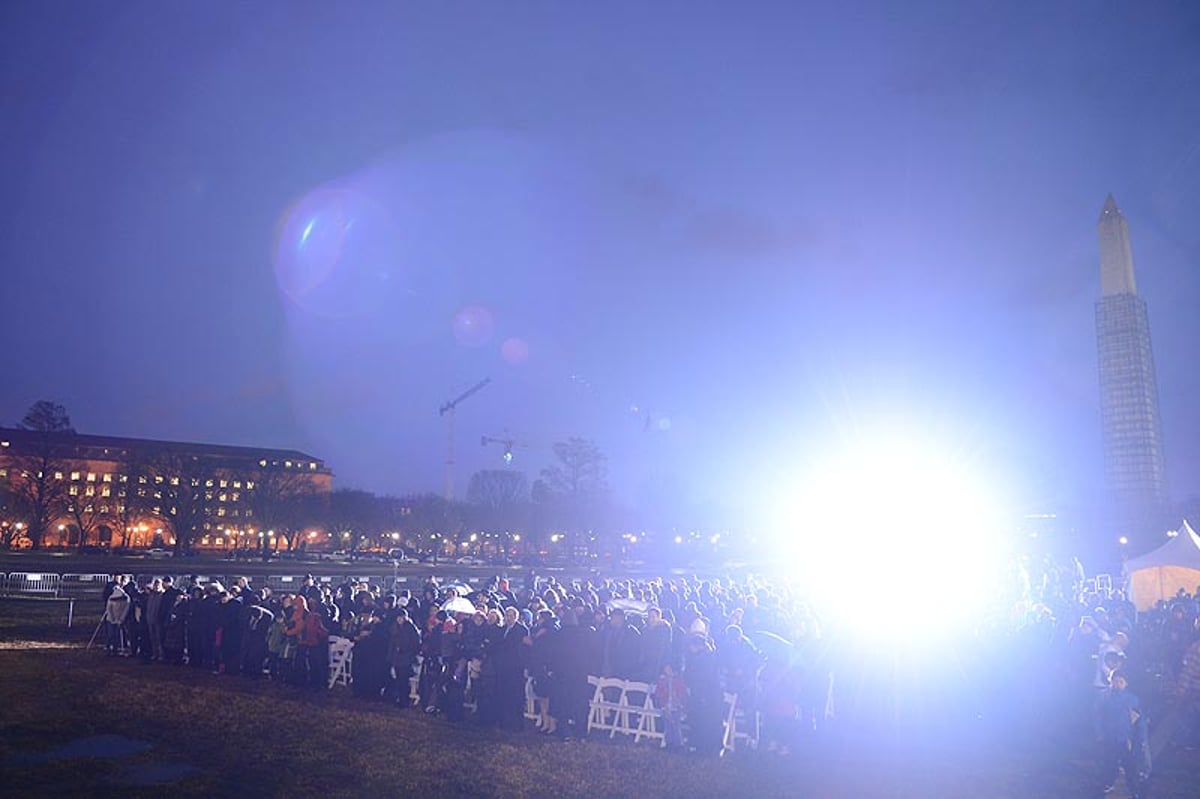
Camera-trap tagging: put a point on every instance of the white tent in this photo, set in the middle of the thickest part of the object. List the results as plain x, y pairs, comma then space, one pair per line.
1160, 574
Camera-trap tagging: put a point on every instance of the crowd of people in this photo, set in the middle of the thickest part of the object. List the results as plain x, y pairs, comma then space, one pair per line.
473, 650
469, 652
1097, 658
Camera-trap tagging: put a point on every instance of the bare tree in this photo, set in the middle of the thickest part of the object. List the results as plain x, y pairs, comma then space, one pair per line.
85, 505
573, 490
45, 416
281, 501
178, 489
37, 474
354, 514
432, 519
131, 499
498, 499
12, 513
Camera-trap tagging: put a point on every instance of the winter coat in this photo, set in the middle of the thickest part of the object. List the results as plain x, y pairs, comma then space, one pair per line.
117, 607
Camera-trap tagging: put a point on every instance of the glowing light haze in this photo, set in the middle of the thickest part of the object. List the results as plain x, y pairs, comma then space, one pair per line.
703, 236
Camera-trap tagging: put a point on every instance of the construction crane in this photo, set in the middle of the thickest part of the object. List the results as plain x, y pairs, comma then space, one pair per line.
448, 408
508, 444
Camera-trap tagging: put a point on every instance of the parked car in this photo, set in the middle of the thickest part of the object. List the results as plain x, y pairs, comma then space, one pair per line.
469, 560
93, 549
158, 553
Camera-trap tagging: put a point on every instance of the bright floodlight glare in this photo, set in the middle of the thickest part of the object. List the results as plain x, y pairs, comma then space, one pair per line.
893, 539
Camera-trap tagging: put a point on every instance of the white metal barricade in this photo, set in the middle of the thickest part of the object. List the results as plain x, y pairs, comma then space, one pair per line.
284, 583
32, 584
83, 585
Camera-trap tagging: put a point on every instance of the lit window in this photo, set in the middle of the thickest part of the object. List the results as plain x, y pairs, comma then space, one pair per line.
224, 484
91, 478
249, 513
174, 481
223, 497
124, 478
195, 483
73, 491
58, 475
106, 491
142, 479
158, 479
74, 475
312, 465
108, 478
91, 491
235, 496
237, 483
288, 464
4, 444
208, 483
249, 485
221, 511
263, 462
3, 472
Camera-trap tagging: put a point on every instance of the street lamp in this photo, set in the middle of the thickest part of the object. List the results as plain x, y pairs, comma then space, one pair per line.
1122, 540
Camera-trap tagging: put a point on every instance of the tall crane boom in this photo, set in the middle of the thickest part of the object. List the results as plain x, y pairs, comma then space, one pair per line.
449, 407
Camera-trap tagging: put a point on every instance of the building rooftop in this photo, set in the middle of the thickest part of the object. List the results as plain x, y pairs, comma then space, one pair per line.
16, 436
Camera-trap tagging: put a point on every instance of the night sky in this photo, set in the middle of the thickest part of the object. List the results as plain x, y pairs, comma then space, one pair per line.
714, 240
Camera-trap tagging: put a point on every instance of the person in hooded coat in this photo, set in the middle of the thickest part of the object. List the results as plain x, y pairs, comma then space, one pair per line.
511, 655
116, 608
706, 700
175, 628
403, 649
194, 627
370, 665
571, 656
257, 620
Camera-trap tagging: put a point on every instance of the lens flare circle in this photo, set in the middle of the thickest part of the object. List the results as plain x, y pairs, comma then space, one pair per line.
335, 251
515, 351
473, 326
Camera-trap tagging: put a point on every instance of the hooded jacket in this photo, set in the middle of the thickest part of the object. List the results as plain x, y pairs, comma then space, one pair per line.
117, 606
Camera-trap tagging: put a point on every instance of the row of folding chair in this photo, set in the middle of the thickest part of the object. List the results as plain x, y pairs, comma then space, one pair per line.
625, 707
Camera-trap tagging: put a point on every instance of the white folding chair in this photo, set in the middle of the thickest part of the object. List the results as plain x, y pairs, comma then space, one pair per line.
341, 659
747, 726
639, 701
531, 711
730, 722
606, 700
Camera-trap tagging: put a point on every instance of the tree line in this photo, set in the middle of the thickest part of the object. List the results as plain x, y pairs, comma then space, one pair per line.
179, 492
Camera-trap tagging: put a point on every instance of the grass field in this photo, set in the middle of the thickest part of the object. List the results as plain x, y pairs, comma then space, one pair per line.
198, 734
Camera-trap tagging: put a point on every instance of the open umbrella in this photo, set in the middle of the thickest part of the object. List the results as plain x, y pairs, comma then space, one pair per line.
630, 605
773, 646
459, 604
